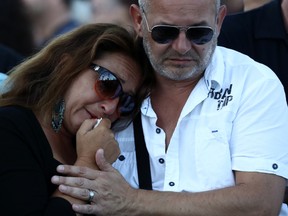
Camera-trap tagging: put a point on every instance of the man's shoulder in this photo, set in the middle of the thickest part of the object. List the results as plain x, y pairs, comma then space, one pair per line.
233, 56
235, 62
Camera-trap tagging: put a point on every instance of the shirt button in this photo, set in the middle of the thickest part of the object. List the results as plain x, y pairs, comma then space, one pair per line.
275, 166
161, 161
121, 157
171, 184
158, 130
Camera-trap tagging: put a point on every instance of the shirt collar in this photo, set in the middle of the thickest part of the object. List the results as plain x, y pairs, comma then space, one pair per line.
214, 73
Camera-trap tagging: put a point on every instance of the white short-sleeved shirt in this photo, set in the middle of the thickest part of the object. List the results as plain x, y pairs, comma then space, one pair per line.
236, 118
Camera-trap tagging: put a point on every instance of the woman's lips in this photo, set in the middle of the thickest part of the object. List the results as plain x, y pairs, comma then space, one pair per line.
93, 116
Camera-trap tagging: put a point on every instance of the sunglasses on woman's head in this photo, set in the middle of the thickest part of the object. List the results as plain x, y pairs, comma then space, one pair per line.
164, 34
108, 86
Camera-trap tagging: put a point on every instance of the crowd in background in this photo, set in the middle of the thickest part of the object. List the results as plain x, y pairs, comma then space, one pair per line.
26, 25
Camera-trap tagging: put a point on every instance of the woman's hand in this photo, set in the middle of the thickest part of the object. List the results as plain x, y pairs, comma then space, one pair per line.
90, 139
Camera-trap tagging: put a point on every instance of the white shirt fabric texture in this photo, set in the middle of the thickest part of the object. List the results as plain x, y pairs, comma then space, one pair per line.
236, 118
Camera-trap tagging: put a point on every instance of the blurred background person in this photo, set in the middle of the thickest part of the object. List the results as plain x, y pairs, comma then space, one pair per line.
49, 18
3, 76
112, 11
8, 58
81, 10
252, 4
238, 6
235, 6
16, 29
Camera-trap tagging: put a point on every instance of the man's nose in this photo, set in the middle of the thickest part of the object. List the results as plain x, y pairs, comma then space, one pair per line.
181, 44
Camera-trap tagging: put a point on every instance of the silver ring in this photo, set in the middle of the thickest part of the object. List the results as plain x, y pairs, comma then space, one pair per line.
91, 195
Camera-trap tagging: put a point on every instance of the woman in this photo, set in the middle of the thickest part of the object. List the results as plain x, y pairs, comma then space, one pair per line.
50, 106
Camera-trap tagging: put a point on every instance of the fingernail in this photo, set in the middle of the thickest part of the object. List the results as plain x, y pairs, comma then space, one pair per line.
62, 188
55, 179
60, 168
75, 207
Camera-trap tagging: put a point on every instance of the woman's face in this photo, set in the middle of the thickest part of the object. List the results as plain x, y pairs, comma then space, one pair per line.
83, 102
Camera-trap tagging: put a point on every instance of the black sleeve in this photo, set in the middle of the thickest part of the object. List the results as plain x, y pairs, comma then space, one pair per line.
228, 33
59, 207
9, 58
286, 195
26, 187
237, 33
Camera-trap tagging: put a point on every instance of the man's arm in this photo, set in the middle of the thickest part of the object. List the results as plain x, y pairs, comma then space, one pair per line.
254, 194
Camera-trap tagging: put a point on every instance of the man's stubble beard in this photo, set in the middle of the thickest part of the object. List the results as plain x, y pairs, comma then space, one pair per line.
179, 75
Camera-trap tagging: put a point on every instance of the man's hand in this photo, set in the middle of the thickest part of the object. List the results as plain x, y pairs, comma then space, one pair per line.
113, 195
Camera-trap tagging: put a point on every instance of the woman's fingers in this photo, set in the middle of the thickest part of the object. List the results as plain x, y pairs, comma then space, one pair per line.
89, 124
86, 126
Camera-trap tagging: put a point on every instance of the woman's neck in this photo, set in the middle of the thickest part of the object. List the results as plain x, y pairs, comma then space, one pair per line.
62, 145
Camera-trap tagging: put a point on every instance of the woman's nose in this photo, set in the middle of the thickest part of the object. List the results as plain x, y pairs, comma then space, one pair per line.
109, 106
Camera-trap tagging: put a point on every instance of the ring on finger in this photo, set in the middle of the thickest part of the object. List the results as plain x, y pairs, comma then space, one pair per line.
91, 195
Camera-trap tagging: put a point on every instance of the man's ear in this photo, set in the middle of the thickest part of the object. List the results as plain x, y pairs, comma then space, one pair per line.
137, 18
221, 16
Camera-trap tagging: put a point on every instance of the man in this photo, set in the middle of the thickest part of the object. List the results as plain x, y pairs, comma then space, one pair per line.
261, 34
215, 126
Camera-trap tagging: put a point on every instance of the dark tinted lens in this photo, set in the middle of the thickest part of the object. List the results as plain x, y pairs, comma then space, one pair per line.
164, 34
199, 35
107, 85
126, 105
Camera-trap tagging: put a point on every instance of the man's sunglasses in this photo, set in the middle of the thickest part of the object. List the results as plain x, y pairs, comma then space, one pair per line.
108, 86
164, 34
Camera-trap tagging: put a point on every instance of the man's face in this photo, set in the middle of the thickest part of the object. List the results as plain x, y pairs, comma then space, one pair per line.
180, 59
